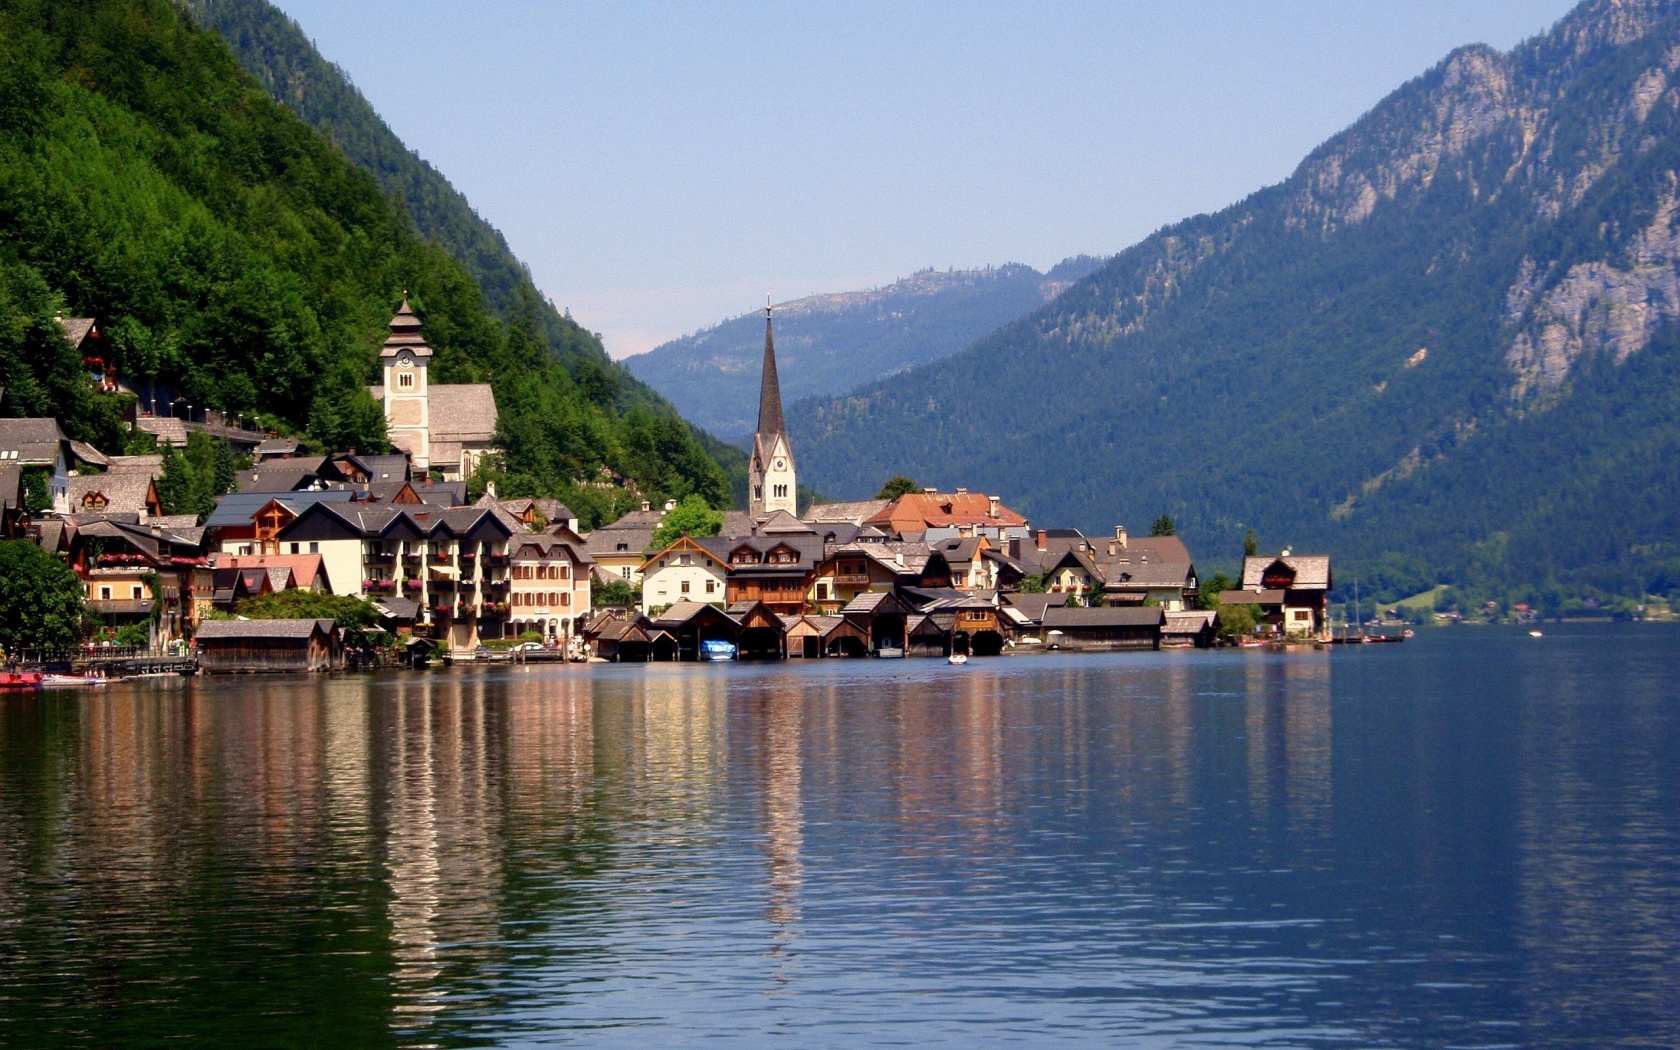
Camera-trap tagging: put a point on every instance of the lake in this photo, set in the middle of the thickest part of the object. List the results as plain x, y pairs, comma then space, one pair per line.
1472, 840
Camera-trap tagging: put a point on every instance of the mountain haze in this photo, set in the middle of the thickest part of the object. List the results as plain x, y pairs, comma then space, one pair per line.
829, 344
1444, 347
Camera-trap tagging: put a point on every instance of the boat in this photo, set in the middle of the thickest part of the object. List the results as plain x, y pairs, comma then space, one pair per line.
890, 652
717, 651
1534, 634
957, 658
57, 681
20, 679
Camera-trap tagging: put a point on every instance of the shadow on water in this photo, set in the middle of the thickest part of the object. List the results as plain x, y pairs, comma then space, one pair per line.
1473, 839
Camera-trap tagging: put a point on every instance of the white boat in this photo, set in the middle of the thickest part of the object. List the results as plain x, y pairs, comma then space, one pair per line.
60, 680
717, 651
957, 658
1534, 634
890, 652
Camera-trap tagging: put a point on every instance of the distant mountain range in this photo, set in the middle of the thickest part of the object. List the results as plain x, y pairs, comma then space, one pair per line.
828, 344
1445, 348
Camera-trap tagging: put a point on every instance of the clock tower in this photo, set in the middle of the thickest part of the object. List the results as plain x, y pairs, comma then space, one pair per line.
770, 479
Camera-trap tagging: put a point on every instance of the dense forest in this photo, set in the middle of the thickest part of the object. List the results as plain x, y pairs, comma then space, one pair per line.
1443, 349
233, 253
828, 344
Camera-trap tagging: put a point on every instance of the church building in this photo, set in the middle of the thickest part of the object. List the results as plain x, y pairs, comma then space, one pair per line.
444, 427
770, 480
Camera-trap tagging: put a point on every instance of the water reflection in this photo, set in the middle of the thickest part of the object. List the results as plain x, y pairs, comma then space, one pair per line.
1416, 846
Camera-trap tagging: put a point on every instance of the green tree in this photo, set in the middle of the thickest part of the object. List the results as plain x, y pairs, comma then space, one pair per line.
1251, 546
1033, 583
224, 469
1238, 621
42, 603
349, 612
896, 486
37, 490
692, 517
618, 592
175, 483
1207, 595
1163, 526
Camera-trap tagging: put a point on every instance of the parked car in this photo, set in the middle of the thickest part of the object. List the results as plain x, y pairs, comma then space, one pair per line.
527, 647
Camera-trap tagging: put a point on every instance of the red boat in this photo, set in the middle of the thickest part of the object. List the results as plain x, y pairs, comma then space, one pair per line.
20, 679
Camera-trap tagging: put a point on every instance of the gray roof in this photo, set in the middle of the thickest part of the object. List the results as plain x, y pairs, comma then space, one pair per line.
237, 508
11, 485
615, 540
166, 429
1312, 571
299, 629
76, 329
124, 493
1033, 606
855, 512
1255, 597
464, 412
1107, 616
282, 475
36, 442
397, 608
276, 447
1120, 576
151, 466
1190, 621
681, 613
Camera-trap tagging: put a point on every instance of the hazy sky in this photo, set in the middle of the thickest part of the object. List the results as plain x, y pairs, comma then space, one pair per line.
661, 167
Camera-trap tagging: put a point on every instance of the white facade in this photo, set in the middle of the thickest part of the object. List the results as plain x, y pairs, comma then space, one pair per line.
684, 572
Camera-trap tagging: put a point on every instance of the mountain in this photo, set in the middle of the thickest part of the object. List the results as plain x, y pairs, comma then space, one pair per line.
273, 48
1444, 348
233, 253
832, 343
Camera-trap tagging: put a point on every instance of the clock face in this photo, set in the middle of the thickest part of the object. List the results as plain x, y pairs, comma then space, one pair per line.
781, 464
405, 360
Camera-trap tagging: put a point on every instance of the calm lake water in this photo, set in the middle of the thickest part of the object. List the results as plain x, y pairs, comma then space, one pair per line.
1469, 840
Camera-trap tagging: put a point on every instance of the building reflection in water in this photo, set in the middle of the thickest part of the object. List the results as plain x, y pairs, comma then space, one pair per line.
783, 823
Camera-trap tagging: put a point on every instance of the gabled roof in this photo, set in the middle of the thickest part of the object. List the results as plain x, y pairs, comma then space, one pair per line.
714, 547
683, 612
853, 513
276, 447
118, 493
1107, 616
76, 329
920, 511
282, 475
151, 466
301, 569
166, 429
238, 508
1312, 571
1033, 606
874, 603
288, 629
1190, 621
31, 442
783, 523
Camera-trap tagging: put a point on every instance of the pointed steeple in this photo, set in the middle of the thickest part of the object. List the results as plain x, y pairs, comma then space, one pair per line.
770, 389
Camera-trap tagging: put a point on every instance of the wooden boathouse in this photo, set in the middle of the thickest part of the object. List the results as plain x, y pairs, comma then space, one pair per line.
254, 646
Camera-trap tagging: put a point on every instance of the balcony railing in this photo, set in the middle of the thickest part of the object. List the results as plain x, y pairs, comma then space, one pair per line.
379, 586
852, 580
439, 585
411, 585
496, 561
437, 558
380, 558
411, 560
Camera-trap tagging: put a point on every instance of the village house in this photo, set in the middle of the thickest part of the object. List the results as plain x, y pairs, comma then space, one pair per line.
852, 569
129, 569
38, 444
775, 565
444, 427
620, 548
689, 570
914, 515
1289, 589
547, 587
450, 562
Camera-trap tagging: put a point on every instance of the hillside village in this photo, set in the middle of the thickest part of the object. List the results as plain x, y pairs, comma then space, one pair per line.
924, 573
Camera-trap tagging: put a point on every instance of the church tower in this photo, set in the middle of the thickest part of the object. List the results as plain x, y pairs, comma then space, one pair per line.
770, 481
407, 399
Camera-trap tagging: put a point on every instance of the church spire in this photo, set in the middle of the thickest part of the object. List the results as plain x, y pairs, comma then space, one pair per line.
770, 389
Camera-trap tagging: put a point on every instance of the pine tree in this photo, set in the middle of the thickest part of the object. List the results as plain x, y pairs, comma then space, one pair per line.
1251, 546
1163, 526
175, 484
224, 473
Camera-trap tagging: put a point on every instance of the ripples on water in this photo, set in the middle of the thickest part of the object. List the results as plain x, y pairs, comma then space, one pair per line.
1470, 840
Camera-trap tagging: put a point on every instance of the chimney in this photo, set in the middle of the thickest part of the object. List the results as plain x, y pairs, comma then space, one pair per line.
992, 507
1120, 536
1043, 540
1113, 548
961, 491
646, 506
1014, 547
670, 505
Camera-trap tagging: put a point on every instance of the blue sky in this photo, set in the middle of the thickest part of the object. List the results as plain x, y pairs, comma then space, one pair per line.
662, 166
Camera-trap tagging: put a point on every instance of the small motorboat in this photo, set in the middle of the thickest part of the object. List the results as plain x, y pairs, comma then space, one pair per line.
957, 658
59, 681
1534, 634
890, 652
20, 679
717, 651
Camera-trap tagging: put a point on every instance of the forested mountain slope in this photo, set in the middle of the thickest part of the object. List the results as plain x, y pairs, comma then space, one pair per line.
273, 48
1444, 348
232, 252
828, 344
